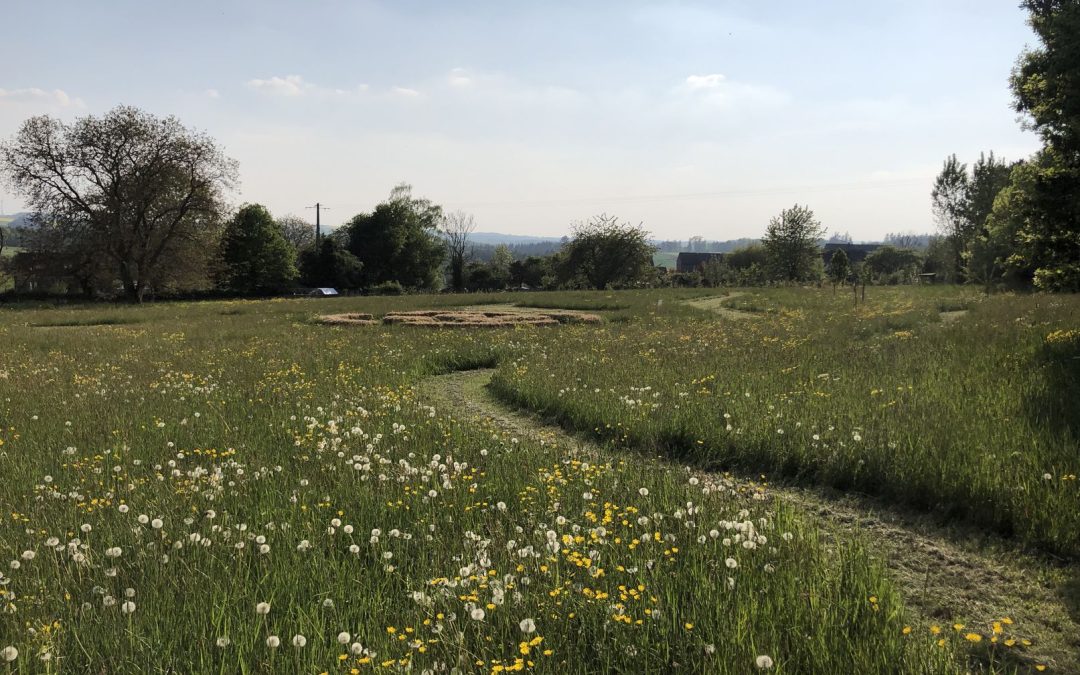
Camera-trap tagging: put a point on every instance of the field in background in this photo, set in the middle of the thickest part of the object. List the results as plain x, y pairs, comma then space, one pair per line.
168, 469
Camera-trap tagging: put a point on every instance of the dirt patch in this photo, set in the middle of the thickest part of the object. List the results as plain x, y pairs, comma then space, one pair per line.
465, 318
946, 573
717, 305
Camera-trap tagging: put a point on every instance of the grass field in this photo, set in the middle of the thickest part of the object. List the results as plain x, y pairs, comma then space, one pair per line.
234, 487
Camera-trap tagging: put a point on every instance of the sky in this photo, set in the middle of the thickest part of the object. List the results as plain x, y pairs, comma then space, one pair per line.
703, 118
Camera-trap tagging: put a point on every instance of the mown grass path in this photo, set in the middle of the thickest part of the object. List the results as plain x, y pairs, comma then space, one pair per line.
947, 573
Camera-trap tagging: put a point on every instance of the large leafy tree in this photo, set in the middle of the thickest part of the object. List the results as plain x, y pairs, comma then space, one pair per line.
962, 202
1043, 209
255, 257
398, 241
791, 244
604, 253
143, 193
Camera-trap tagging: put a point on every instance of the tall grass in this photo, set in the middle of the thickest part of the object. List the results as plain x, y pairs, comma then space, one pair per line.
975, 419
162, 480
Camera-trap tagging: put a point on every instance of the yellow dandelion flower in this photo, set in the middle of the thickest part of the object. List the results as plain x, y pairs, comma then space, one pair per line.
973, 637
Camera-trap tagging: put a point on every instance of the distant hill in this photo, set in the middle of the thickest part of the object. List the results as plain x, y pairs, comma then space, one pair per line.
496, 238
15, 220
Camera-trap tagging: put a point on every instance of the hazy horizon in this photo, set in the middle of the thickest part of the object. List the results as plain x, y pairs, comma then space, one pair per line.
692, 118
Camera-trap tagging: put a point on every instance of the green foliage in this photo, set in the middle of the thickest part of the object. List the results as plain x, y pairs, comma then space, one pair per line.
888, 264
839, 267
962, 202
604, 253
330, 266
534, 272
500, 264
1043, 210
255, 257
791, 244
387, 288
398, 241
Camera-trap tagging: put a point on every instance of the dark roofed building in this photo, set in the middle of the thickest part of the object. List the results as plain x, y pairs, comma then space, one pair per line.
856, 253
693, 262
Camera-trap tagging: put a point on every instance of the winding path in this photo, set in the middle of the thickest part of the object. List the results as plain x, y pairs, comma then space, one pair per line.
946, 573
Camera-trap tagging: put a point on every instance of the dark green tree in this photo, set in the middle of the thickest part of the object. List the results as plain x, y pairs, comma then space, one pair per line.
604, 253
1044, 208
330, 265
255, 257
839, 268
791, 243
534, 272
398, 241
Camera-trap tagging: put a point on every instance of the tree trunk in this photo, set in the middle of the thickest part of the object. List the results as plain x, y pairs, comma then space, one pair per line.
131, 287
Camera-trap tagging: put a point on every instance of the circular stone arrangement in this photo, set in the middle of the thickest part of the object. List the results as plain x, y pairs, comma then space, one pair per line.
464, 318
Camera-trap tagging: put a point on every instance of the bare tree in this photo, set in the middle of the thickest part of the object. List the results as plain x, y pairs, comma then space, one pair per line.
142, 193
456, 228
298, 232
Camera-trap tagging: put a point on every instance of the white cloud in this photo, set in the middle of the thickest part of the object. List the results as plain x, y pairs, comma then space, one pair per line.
711, 81
718, 91
290, 85
459, 77
34, 95
405, 91
212, 93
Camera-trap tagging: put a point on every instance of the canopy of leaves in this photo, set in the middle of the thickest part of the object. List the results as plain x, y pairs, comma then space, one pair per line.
255, 257
839, 267
1043, 206
791, 243
398, 241
604, 253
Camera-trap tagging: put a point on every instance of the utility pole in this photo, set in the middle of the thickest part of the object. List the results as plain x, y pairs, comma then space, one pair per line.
318, 226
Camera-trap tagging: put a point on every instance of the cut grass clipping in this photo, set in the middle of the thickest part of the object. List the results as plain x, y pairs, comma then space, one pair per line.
463, 319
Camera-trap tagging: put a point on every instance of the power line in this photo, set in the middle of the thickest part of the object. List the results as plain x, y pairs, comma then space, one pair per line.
701, 195
318, 224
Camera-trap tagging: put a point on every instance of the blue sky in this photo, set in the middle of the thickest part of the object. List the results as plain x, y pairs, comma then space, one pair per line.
693, 118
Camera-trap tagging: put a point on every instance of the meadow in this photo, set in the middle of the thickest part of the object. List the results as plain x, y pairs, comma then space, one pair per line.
236, 487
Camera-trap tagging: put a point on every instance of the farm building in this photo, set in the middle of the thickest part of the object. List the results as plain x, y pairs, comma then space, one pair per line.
693, 262
856, 253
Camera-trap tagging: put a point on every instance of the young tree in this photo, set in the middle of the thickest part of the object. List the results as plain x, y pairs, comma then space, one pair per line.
398, 241
949, 200
791, 241
839, 268
255, 257
500, 263
143, 193
456, 228
605, 253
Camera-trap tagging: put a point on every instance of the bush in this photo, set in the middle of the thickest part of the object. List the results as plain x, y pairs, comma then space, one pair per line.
387, 288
